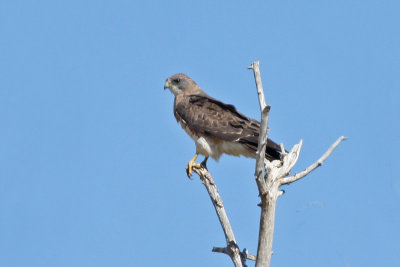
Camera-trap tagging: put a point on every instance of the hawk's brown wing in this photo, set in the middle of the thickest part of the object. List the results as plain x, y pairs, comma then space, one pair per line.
208, 116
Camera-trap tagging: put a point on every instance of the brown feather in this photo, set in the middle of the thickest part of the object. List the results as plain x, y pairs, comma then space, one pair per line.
204, 115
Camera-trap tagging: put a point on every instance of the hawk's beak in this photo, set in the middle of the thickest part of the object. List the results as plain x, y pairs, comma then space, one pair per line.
167, 84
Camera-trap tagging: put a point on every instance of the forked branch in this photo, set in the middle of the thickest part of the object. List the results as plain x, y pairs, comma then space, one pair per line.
271, 175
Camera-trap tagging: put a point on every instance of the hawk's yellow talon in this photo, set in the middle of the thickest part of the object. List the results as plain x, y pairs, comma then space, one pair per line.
192, 164
189, 169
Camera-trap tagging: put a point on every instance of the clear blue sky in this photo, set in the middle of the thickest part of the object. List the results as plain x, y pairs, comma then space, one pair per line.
92, 160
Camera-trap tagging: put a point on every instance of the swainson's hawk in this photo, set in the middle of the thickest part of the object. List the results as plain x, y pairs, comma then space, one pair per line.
214, 126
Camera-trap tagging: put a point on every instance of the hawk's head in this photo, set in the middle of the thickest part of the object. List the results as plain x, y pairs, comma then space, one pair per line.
179, 83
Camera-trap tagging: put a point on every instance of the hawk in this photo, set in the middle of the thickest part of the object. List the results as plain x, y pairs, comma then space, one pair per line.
215, 127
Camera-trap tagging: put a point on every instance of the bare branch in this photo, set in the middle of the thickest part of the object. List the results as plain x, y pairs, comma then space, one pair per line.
221, 250
313, 166
232, 248
287, 162
283, 151
260, 158
268, 192
245, 253
262, 139
255, 66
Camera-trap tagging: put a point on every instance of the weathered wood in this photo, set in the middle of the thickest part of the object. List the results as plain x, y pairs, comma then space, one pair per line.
231, 249
262, 140
271, 175
313, 166
266, 218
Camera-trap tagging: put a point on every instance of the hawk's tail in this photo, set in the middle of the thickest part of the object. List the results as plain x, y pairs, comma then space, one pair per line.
272, 152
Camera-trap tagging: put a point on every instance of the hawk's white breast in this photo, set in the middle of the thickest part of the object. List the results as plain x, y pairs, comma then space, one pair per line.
211, 147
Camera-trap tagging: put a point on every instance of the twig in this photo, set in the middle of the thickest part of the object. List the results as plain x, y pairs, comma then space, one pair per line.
313, 166
244, 254
255, 66
232, 249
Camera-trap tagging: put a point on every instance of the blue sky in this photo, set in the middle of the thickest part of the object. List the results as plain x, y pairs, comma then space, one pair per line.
92, 159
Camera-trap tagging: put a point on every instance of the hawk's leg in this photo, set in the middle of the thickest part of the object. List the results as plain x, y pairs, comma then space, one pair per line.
191, 164
204, 162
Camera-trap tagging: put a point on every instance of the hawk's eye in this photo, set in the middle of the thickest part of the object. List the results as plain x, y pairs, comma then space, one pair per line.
176, 80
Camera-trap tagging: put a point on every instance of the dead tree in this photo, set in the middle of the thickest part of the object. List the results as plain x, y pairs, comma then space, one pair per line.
269, 176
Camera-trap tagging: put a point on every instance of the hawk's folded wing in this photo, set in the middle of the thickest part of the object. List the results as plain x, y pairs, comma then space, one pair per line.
207, 116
